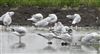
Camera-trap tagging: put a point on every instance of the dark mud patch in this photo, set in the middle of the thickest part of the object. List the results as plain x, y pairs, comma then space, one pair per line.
88, 14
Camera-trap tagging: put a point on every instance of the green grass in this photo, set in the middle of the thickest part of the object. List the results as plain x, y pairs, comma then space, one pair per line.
50, 3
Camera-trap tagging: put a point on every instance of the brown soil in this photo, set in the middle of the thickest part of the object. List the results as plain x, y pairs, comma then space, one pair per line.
88, 14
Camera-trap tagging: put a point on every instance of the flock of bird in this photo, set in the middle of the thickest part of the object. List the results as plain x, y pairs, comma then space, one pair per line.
58, 31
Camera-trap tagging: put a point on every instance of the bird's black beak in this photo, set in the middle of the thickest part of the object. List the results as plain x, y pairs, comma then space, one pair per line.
12, 29
38, 34
70, 31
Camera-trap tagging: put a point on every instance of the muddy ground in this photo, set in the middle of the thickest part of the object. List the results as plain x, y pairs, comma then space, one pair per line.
88, 14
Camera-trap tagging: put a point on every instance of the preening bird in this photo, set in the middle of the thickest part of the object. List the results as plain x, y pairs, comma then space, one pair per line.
20, 32
59, 28
52, 18
48, 36
36, 17
6, 18
76, 19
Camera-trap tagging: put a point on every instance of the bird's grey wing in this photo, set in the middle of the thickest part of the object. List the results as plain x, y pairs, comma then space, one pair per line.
2, 17
20, 31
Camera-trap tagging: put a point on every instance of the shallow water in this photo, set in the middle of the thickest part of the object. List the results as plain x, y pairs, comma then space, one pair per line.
38, 45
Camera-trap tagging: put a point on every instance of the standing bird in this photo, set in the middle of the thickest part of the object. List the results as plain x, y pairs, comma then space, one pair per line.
20, 32
6, 18
76, 19
36, 17
52, 18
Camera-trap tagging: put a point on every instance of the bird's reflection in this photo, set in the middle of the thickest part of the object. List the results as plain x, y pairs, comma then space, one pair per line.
76, 48
18, 45
49, 48
64, 48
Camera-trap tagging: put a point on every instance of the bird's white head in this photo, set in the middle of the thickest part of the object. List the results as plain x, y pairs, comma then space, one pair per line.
39, 15
76, 14
52, 16
11, 13
60, 24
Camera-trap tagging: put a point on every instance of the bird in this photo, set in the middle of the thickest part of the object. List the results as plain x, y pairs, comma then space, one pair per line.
6, 18
76, 19
52, 18
59, 28
69, 30
41, 24
91, 38
49, 36
67, 38
20, 32
36, 17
